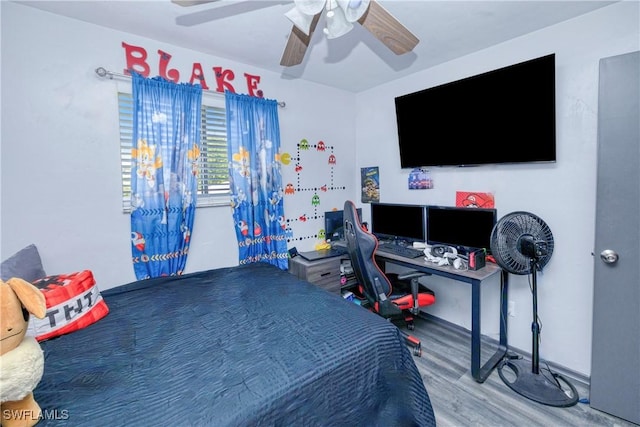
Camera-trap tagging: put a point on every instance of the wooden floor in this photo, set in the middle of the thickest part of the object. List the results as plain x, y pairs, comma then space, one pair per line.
458, 400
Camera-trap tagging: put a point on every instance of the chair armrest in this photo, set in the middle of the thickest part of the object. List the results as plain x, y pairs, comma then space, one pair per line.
412, 274
415, 286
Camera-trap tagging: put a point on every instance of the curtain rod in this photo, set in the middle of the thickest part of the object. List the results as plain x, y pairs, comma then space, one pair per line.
100, 71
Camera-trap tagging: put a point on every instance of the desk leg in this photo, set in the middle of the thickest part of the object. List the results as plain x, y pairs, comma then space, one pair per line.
475, 330
480, 374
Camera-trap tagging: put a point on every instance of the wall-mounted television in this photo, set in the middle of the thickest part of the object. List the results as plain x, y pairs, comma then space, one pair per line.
463, 228
506, 115
398, 222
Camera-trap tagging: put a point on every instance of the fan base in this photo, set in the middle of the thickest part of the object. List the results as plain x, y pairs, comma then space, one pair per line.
543, 388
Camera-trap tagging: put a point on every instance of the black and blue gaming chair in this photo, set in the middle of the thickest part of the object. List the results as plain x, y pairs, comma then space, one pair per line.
392, 296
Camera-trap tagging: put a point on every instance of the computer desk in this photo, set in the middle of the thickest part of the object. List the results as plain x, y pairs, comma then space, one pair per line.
475, 278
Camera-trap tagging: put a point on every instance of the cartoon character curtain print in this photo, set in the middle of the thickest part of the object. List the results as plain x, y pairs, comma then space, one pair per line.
253, 135
166, 139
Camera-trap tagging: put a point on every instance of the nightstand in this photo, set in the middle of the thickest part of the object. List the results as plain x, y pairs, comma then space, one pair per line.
324, 273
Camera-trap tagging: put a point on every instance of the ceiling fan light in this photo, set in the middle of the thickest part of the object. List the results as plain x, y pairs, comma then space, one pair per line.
337, 24
300, 20
310, 7
353, 9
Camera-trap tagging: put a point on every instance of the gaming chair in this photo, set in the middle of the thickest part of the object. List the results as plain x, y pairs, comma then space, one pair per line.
392, 296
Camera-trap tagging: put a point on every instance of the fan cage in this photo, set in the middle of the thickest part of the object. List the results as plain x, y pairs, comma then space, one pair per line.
506, 235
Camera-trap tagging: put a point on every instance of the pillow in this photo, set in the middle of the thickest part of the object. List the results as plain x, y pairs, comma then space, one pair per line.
25, 264
73, 302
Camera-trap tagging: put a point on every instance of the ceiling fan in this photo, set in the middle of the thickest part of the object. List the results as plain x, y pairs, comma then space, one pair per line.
340, 17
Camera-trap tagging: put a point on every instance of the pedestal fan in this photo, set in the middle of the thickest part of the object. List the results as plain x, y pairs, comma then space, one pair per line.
522, 243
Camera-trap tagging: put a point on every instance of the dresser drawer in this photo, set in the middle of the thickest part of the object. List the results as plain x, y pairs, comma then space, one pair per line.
323, 272
329, 281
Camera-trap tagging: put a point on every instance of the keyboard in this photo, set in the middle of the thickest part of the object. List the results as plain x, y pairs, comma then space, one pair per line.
402, 251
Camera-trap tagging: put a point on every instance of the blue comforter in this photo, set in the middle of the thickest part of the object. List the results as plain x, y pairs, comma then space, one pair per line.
242, 346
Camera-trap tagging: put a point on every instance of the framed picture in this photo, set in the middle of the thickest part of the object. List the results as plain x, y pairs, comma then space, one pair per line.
370, 184
473, 199
420, 179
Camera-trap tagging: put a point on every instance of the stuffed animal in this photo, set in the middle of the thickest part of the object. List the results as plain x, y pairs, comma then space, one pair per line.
21, 358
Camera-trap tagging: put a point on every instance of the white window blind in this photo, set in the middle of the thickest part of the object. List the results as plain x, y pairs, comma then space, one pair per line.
213, 164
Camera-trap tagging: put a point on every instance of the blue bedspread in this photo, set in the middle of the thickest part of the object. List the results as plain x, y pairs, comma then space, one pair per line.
242, 346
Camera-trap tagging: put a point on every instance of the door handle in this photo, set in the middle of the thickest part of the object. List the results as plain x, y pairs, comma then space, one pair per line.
609, 256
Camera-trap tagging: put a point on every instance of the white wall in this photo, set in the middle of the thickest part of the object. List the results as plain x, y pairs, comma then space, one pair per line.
60, 146
563, 194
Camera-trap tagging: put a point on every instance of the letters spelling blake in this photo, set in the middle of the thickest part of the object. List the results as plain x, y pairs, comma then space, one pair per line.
136, 57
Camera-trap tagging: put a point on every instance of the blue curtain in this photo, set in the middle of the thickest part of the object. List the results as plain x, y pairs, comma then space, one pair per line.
253, 135
166, 139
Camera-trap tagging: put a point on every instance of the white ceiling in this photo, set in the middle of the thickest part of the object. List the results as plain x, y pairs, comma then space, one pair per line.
255, 32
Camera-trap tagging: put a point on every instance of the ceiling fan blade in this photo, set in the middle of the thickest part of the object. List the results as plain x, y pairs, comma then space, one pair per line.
297, 44
388, 29
187, 3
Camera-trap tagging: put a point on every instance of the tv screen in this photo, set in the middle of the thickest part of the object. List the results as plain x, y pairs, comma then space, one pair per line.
398, 222
462, 228
502, 116
334, 224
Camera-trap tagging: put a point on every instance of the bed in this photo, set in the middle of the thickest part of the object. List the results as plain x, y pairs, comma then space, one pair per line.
240, 346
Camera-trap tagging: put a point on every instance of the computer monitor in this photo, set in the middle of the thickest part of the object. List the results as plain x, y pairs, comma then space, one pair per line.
462, 228
334, 225
398, 222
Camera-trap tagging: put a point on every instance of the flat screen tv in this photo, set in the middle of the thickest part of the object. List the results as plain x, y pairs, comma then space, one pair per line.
462, 228
506, 115
398, 222
334, 224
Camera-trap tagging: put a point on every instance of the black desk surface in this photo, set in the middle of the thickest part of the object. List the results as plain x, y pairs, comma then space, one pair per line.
421, 263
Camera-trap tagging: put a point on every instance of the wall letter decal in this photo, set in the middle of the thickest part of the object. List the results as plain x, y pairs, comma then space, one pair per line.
252, 85
221, 76
136, 57
198, 74
136, 61
173, 75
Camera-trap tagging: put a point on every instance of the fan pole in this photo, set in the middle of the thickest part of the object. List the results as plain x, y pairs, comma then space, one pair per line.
535, 326
543, 388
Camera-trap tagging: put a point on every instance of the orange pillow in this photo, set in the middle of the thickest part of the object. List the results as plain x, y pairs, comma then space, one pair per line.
73, 302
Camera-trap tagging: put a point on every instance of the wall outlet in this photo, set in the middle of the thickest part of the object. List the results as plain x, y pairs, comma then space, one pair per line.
511, 309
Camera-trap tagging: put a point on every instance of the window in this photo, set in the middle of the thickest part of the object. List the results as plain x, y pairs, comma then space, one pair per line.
213, 168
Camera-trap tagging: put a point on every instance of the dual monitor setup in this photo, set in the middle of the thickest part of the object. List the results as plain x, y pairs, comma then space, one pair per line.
464, 229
